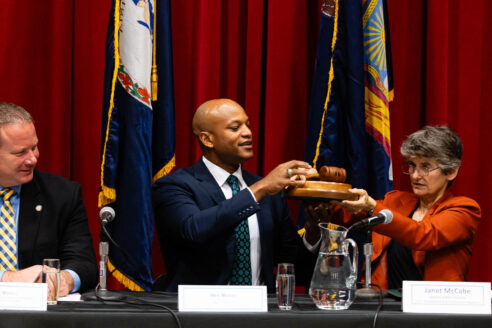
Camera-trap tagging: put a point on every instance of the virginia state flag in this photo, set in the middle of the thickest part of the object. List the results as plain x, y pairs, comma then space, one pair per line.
137, 132
348, 122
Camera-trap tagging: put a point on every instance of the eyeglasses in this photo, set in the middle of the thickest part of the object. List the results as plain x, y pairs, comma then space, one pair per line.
409, 169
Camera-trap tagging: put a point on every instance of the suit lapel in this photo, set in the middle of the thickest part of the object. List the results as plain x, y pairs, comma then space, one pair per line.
207, 182
405, 206
30, 210
249, 178
211, 188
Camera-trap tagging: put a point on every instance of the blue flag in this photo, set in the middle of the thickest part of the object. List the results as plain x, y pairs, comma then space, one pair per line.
137, 131
348, 122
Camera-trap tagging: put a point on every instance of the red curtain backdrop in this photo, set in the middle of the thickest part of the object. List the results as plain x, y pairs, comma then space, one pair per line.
260, 53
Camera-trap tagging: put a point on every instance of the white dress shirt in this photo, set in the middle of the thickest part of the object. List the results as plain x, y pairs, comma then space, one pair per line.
220, 175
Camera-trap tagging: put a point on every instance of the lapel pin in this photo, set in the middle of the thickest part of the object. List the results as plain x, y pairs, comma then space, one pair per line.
39, 208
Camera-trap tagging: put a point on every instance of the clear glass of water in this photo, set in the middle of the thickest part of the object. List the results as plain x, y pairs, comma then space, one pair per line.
286, 285
51, 276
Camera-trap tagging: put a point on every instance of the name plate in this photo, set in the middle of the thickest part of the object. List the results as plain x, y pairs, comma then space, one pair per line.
23, 296
204, 298
446, 297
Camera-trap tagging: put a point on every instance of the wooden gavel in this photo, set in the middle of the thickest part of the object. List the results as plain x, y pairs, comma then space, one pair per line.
332, 174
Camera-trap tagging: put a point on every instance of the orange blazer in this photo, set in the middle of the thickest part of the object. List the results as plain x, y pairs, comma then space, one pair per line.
441, 243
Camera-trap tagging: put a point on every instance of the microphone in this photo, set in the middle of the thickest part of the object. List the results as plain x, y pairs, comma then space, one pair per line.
106, 215
384, 217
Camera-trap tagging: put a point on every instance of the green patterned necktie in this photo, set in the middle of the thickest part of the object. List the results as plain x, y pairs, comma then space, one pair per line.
241, 268
8, 248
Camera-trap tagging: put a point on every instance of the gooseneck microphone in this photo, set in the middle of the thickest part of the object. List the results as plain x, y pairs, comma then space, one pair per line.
106, 215
384, 217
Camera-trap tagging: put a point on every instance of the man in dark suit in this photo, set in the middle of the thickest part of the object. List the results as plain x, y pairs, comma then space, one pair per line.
202, 211
42, 215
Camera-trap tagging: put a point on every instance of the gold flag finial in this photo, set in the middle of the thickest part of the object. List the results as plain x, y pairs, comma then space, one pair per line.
328, 7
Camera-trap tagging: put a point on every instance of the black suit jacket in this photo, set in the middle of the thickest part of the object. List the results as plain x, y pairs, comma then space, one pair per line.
195, 226
53, 224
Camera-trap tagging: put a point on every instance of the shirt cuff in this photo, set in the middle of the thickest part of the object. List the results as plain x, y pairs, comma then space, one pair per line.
309, 247
1, 275
76, 280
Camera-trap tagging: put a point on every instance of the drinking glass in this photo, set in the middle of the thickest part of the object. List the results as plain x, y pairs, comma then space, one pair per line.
51, 276
286, 285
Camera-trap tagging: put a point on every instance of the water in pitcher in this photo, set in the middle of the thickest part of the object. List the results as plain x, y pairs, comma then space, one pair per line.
333, 283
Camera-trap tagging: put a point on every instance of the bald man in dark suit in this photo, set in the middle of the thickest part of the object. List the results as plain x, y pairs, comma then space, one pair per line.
202, 211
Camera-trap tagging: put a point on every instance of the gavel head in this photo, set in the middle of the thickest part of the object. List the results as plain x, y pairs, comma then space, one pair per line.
332, 174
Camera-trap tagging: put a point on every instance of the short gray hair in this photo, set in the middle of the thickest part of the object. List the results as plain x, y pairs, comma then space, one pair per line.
11, 113
435, 142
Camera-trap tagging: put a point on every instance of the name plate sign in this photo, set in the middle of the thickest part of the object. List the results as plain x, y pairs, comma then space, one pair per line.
23, 296
446, 297
205, 298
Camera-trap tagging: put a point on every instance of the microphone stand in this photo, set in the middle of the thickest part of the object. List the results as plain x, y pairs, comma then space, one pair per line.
101, 292
367, 292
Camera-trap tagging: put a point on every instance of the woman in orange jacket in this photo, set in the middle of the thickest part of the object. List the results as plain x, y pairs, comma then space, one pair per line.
432, 232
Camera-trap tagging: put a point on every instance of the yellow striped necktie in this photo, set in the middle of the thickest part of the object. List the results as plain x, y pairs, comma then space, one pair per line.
8, 248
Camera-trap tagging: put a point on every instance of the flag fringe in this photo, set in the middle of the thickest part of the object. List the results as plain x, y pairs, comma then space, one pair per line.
105, 190
391, 95
165, 170
154, 77
127, 282
331, 76
106, 196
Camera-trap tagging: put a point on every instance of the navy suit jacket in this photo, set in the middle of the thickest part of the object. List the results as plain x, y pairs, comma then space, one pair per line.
53, 224
195, 226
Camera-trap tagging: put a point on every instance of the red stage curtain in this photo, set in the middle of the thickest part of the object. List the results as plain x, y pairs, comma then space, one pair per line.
260, 53
441, 52
51, 63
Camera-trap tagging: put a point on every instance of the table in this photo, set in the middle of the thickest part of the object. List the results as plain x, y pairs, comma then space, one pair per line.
96, 314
